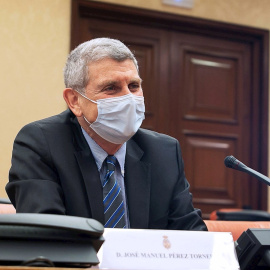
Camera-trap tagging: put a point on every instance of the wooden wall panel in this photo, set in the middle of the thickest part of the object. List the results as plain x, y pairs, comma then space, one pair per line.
213, 185
212, 88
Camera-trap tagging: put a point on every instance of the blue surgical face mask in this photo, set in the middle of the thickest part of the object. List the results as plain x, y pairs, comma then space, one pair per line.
118, 118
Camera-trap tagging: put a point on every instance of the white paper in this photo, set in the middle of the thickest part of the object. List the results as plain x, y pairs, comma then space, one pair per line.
133, 249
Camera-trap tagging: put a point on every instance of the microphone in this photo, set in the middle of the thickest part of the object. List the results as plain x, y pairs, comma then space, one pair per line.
232, 162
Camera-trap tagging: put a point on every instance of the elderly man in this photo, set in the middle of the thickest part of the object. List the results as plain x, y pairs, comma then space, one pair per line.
94, 160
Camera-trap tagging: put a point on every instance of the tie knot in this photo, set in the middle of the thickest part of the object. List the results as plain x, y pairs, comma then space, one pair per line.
111, 162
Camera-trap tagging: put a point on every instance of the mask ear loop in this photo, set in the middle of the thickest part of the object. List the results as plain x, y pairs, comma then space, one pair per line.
87, 99
87, 121
85, 96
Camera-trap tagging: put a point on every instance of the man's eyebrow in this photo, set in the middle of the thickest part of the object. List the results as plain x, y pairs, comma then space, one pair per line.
111, 82
136, 80
106, 83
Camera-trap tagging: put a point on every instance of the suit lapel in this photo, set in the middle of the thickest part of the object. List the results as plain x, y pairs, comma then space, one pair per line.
89, 172
92, 183
137, 181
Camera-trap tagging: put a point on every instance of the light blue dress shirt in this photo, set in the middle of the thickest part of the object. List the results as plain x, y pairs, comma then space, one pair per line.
100, 155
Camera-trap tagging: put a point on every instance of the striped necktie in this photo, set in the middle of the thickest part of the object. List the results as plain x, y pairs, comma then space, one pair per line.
112, 197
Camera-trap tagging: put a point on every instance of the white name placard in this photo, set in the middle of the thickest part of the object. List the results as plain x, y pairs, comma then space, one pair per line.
167, 249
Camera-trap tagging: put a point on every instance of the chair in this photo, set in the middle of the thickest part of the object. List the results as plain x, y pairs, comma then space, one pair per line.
235, 227
6, 207
240, 215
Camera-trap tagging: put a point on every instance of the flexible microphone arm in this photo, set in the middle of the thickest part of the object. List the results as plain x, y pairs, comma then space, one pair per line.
232, 162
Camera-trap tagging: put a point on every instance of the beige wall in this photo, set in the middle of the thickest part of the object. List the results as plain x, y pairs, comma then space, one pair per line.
246, 12
34, 44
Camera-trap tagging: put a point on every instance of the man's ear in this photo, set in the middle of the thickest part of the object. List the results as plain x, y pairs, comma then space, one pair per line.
72, 99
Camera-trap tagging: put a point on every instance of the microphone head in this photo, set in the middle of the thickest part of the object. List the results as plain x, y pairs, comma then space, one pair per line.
232, 162
229, 161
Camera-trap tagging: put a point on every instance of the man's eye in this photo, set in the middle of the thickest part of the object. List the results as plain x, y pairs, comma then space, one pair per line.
110, 88
133, 87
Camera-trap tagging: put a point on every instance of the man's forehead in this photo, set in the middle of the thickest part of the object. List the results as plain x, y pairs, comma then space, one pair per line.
103, 61
104, 71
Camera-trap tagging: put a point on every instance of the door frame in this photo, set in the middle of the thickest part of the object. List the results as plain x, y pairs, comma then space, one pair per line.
257, 38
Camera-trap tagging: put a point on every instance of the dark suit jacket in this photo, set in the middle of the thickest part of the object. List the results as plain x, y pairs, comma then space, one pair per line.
53, 171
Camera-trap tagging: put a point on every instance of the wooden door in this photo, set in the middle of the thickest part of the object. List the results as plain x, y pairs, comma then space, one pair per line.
211, 80
206, 84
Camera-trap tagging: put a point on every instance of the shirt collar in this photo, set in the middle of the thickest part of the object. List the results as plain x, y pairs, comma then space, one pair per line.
100, 154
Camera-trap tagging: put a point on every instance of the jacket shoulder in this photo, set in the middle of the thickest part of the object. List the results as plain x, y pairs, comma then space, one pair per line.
62, 118
153, 136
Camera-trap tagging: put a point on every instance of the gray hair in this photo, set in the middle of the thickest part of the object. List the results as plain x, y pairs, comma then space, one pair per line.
76, 74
